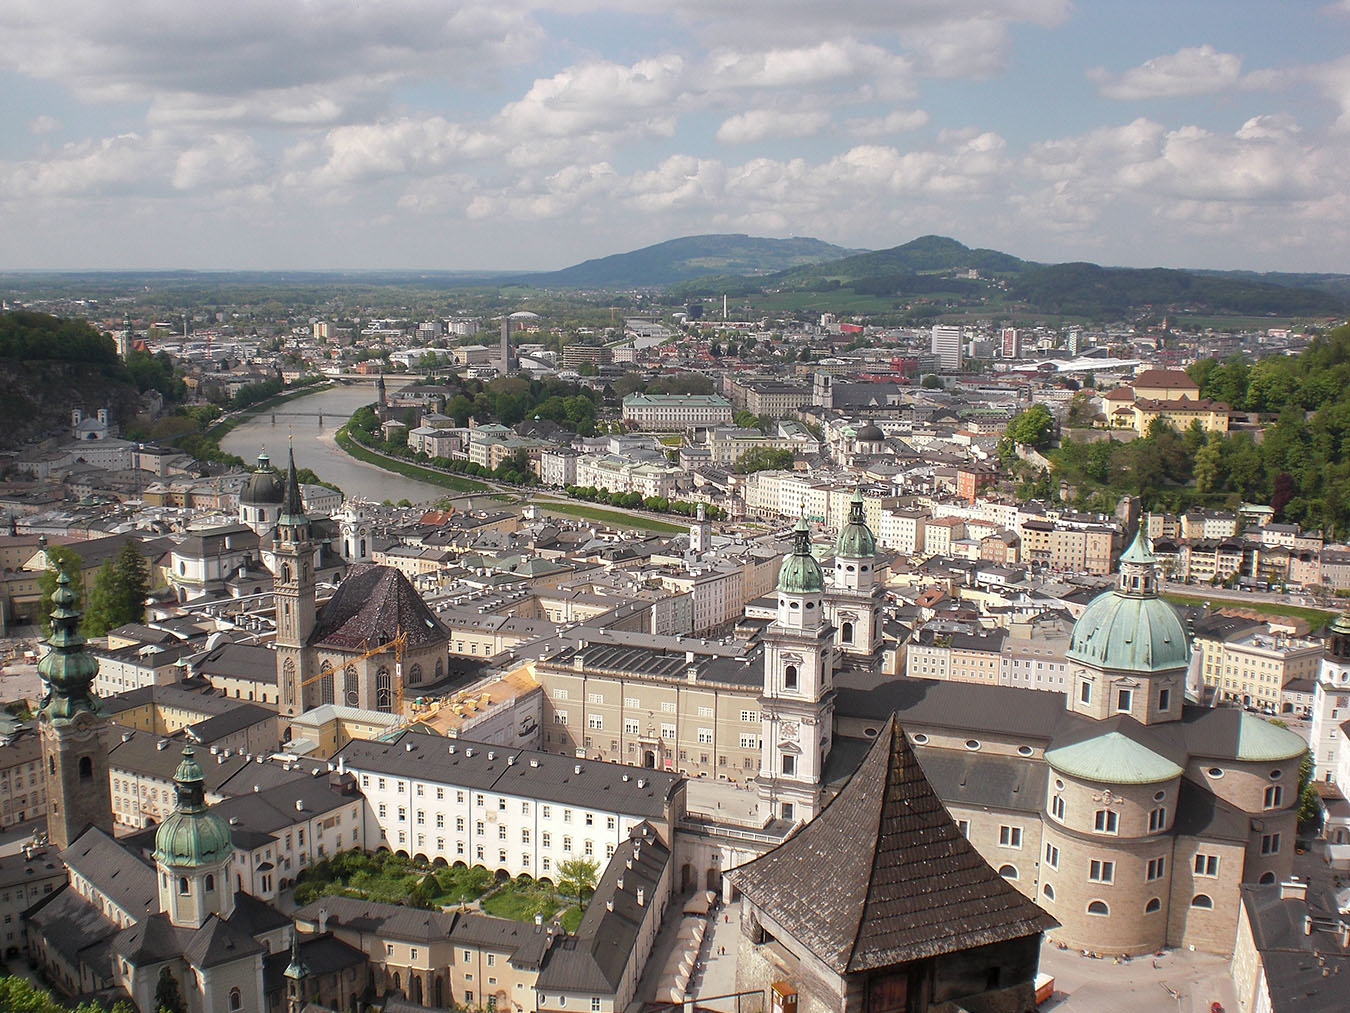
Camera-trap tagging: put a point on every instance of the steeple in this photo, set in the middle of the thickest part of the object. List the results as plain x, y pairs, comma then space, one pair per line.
295, 974
72, 728
293, 595
1139, 568
193, 847
67, 669
293, 509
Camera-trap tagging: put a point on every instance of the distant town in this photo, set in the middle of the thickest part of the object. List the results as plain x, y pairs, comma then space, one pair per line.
541, 652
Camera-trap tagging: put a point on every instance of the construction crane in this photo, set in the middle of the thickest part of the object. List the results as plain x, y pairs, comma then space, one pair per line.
398, 645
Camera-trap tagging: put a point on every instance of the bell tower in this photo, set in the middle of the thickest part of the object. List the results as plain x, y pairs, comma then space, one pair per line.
293, 594
193, 851
854, 601
73, 729
354, 528
797, 705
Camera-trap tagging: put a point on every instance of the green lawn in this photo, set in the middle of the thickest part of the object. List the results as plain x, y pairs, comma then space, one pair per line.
405, 468
1316, 618
571, 918
520, 900
382, 876
610, 517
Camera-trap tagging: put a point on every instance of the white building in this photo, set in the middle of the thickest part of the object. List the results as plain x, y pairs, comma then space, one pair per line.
946, 345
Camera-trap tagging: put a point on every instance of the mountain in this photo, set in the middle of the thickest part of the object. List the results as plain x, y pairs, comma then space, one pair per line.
679, 259
922, 255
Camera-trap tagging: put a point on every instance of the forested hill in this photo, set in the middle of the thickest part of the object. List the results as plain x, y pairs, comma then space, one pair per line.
50, 365
1300, 466
678, 259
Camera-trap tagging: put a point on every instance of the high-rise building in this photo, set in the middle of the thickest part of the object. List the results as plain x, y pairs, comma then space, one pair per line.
947, 347
1011, 343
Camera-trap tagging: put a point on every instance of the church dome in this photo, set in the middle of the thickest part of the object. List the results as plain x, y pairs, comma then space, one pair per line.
193, 835
800, 573
855, 540
870, 434
264, 487
1130, 628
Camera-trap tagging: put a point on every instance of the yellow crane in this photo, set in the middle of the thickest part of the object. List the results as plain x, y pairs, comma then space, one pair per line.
398, 644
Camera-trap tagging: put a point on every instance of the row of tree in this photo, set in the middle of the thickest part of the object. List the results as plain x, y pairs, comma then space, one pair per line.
636, 501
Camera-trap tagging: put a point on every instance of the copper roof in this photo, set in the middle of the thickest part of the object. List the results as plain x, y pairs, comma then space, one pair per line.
883, 876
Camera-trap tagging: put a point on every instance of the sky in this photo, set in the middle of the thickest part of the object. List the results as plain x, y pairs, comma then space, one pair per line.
532, 134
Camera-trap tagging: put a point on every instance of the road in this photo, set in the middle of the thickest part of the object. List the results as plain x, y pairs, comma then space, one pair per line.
1235, 594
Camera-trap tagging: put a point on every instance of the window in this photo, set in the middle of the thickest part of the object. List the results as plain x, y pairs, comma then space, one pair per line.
1101, 872
705, 736
1123, 698
972, 744
750, 716
595, 1004
789, 764
632, 702
1107, 821
1098, 907
546, 839
1010, 837
182, 884
668, 732
595, 721
1164, 699
402, 814
236, 999
1153, 905
790, 677
440, 820
1052, 856
1203, 901
1270, 844
1049, 892
1157, 819
567, 844
1057, 807
1156, 868
412, 953
210, 883
668, 706
459, 824
560, 717
788, 810
1274, 796
1008, 871
1206, 865
964, 827
1085, 692
631, 727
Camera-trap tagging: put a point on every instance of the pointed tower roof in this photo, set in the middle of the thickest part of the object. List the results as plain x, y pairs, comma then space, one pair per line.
1139, 550
883, 875
293, 508
297, 969
68, 668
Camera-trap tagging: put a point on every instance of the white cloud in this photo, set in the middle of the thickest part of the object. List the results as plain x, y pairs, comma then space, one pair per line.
596, 96
1196, 70
43, 124
898, 121
759, 124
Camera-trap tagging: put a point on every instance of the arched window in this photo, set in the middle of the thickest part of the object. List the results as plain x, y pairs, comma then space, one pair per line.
1049, 892
182, 884
1267, 877
326, 680
51, 764
440, 669
86, 768
1098, 907
285, 573
1153, 905
288, 675
210, 883
846, 633
1008, 871
384, 696
351, 693
236, 999
1203, 901
790, 677
415, 673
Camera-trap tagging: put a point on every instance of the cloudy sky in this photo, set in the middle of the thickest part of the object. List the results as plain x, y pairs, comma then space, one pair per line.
469, 134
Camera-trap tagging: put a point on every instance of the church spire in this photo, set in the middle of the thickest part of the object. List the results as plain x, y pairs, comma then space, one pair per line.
294, 507
68, 669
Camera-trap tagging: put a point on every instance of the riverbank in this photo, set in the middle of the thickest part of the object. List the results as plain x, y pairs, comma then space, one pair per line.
408, 470
218, 430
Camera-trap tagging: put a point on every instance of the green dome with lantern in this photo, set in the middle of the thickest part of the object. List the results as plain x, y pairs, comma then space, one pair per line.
1130, 628
67, 669
192, 836
800, 573
855, 540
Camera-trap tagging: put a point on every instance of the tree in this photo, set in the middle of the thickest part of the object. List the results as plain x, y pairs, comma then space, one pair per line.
932, 382
168, 997
59, 559
1032, 427
576, 878
745, 419
18, 995
119, 592
763, 459
586, 368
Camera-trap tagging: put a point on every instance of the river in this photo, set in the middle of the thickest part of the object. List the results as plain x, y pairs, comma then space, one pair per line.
315, 448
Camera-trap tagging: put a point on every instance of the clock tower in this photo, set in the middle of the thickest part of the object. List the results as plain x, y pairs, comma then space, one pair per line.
293, 594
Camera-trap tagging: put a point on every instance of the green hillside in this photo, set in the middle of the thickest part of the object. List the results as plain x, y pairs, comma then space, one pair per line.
678, 259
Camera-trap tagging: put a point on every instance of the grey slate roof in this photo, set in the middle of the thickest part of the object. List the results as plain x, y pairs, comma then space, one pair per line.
607, 787
70, 923
114, 871
238, 661
883, 876
219, 942
394, 921
369, 608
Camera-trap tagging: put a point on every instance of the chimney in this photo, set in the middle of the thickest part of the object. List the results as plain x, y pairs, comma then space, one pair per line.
618, 885
323, 919
1294, 888
342, 765
538, 920
641, 896
576, 769
299, 806
609, 903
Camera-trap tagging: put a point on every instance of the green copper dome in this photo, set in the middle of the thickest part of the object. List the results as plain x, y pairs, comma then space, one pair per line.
1130, 628
855, 538
193, 835
800, 573
67, 668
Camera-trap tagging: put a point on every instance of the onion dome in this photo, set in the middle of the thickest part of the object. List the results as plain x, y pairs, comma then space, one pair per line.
855, 540
263, 487
1130, 628
800, 573
192, 835
870, 433
67, 668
